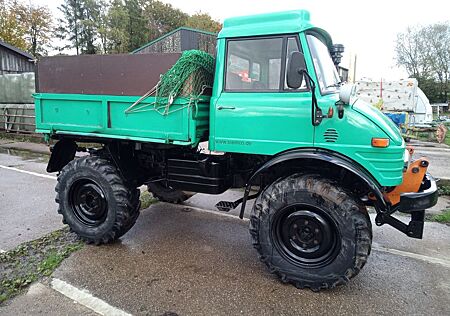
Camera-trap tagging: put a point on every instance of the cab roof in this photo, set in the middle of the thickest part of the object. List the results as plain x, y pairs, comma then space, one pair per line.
268, 24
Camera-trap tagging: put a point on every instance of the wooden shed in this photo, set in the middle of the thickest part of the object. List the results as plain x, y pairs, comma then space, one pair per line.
14, 60
179, 40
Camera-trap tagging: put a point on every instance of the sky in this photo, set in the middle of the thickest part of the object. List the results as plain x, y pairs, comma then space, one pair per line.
367, 28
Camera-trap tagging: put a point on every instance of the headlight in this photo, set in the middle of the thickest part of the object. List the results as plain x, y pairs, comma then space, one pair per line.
346, 92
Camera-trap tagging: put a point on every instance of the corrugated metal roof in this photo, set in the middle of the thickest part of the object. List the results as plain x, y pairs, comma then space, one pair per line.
16, 50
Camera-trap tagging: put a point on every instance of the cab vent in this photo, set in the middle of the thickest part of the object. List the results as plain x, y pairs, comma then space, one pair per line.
330, 135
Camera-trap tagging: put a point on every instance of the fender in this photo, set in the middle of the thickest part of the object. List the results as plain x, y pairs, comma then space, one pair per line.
322, 155
62, 153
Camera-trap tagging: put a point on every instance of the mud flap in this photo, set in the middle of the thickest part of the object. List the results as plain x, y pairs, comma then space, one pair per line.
62, 153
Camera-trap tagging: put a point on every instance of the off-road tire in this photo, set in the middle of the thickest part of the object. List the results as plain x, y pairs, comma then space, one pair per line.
167, 194
120, 203
134, 214
347, 212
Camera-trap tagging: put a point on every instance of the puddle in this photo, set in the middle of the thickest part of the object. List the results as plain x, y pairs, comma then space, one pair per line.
25, 155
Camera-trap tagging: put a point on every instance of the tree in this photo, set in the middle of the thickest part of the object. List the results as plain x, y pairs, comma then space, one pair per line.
90, 24
37, 21
203, 21
71, 26
117, 25
425, 54
438, 36
26, 26
410, 52
137, 26
163, 18
81, 23
101, 25
11, 30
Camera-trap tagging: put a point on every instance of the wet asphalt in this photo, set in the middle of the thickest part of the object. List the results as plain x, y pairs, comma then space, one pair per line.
194, 263
27, 202
179, 260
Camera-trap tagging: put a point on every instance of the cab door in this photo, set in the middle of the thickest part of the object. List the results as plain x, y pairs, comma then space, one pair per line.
256, 112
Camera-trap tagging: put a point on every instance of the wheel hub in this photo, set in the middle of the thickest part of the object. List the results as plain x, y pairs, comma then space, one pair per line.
306, 235
88, 202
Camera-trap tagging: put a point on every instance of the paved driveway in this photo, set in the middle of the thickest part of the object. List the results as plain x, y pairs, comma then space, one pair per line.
191, 260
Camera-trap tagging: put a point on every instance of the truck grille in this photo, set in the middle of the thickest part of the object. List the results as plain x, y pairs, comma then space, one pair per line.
330, 135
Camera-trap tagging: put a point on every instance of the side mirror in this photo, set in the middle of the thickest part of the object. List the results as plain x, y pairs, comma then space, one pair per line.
295, 69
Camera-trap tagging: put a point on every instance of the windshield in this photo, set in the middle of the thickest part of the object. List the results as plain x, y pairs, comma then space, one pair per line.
327, 76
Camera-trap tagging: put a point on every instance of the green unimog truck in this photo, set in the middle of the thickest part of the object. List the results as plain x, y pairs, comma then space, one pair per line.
275, 118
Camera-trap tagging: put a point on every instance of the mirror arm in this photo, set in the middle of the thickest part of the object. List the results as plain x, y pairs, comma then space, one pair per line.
317, 115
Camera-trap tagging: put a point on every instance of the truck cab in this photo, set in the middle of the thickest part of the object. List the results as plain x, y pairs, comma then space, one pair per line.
254, 111
277, 120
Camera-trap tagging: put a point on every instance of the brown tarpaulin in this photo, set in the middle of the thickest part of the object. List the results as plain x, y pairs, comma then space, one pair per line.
103, 74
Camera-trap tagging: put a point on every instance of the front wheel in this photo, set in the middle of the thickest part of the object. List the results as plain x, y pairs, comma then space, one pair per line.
310, 232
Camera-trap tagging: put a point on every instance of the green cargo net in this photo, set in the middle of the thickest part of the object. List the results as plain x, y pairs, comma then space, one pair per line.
191, 75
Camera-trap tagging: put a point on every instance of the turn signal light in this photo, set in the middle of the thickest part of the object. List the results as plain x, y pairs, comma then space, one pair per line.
380, 142
330, 112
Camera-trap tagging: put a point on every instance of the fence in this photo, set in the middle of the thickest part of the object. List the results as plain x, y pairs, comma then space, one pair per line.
17, 118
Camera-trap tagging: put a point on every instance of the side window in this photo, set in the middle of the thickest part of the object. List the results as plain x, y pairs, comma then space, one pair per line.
292, 46
254, 64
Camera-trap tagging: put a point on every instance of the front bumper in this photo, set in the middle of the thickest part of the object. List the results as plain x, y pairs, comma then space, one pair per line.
415, 204
418, 201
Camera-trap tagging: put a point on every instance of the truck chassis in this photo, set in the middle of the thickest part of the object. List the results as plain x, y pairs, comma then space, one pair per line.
309, 215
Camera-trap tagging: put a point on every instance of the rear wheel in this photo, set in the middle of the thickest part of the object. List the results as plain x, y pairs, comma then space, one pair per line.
310, 232
94, 200
168, 194
134, 213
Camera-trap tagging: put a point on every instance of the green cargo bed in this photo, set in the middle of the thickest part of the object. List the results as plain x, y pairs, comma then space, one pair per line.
105, 116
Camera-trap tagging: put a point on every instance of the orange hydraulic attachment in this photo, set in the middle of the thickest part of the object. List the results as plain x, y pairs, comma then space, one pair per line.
412, 179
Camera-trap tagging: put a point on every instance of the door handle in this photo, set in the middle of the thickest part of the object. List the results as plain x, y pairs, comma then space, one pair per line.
225, 107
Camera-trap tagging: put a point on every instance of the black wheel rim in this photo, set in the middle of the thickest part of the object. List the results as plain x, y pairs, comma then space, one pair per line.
88, 202
306, 235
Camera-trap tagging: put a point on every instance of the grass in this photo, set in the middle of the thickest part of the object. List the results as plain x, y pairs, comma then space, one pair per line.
38, 259
147, 199
34, 260
444, 190
442, 218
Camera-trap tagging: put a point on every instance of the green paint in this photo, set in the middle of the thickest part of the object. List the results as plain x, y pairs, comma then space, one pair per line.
258, 123
104, 116
267, 24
